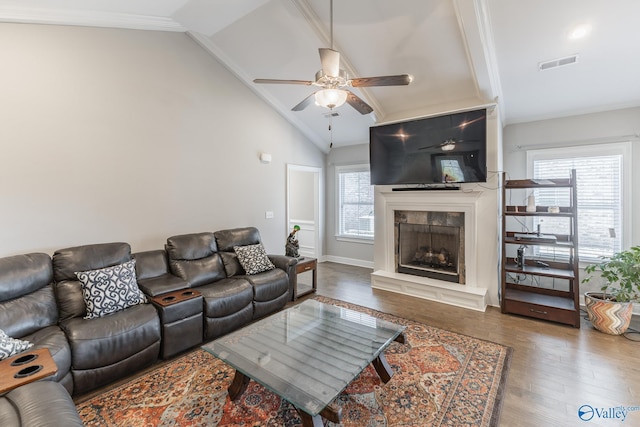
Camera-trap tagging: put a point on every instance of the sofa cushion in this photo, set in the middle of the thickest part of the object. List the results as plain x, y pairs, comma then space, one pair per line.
22, 274
151, 264
11, 346
70, 299
269, 285
199, 272
253, 258
28, 313
54, 339
110, 339
227, 239
194, 258
40, 403
110, 289
231, 264
88, 257
191, 246
226, 297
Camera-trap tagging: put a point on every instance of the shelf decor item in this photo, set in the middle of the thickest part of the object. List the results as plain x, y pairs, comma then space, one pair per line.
610, 311
543, 282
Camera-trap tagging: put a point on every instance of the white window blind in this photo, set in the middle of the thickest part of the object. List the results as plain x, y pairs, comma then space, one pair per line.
355, 202
600, 189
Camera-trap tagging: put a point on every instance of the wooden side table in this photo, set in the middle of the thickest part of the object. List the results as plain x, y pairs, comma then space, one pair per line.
26, 367
304, 265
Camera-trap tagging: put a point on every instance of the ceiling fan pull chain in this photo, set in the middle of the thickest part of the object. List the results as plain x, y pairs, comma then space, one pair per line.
331, 128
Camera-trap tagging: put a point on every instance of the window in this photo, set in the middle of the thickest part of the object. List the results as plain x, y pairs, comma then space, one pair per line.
355, 202
603, 184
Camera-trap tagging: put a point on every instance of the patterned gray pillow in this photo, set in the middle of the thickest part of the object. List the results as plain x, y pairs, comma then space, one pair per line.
253, 258
110, 289
11, 346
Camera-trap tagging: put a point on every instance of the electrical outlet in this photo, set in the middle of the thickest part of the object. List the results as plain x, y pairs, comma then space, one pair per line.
268, 214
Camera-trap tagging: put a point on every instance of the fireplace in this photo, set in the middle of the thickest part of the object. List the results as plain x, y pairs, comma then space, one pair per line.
432, 221
430, 244
429, 250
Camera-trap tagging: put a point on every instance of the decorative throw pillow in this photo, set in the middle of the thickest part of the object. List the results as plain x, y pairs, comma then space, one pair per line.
110, 289
11, 346
253, 258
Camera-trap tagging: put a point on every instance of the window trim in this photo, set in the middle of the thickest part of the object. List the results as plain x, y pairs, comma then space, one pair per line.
357, 167
593, 150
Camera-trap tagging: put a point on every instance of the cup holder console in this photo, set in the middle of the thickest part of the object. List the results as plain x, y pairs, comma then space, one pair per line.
175, 297
27, 358
28, 371
25, 367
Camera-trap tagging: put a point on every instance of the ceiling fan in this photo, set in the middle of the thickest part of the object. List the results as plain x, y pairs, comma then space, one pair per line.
448, 144
334, 82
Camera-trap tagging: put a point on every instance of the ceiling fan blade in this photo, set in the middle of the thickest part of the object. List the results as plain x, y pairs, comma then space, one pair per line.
286, 82
304, 103
399, 80
430, 146
330, 60
357, 103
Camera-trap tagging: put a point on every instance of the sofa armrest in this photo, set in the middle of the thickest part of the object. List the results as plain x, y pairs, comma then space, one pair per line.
154, 286
288, 264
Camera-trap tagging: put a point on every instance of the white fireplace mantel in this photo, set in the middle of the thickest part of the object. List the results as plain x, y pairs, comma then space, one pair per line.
470, 295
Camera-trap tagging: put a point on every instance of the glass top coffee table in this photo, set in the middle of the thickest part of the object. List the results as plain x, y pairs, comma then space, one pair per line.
307, 355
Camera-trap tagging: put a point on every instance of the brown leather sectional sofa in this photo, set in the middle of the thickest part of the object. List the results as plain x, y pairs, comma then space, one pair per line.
41, 301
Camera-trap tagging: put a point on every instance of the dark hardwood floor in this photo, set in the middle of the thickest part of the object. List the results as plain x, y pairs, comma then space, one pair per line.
555, 369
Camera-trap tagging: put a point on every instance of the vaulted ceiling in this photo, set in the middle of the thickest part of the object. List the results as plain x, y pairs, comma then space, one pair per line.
461, 53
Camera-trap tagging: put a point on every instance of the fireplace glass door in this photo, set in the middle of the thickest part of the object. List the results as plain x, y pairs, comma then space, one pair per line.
429, 250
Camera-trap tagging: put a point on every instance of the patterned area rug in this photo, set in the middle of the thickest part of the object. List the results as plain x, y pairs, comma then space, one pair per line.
440, 379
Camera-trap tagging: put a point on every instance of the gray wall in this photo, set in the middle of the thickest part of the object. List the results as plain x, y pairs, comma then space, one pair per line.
611, 126
336, 250
123, 135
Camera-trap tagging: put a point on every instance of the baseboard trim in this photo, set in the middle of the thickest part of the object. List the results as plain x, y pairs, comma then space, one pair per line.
349, 261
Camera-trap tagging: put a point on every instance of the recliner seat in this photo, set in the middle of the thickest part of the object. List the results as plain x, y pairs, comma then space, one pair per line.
228, 302
28, 309
109, 347
271, 289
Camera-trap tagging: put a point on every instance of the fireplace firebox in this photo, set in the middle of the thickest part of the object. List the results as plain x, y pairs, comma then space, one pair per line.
429, 250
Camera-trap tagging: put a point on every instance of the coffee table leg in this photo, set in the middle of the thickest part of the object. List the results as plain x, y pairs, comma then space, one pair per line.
332, 413
310, 421
382, 368
238, 386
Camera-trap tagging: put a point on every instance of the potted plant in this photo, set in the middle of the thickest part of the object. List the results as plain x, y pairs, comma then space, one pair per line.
610, 310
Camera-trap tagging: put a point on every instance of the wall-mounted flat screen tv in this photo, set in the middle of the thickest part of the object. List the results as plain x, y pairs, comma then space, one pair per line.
434, 150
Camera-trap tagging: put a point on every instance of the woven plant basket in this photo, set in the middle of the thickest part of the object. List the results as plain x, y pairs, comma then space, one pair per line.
610, 317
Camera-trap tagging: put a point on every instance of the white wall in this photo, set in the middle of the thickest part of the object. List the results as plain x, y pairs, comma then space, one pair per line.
122, 135
354, 253
611, 126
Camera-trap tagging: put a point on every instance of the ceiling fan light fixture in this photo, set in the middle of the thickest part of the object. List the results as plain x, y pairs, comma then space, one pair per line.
448, 145
330, 98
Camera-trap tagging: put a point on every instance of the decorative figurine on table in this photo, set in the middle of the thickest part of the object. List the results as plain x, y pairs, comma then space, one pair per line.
292, 246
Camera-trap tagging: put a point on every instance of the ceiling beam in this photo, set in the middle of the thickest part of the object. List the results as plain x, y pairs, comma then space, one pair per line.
475, 27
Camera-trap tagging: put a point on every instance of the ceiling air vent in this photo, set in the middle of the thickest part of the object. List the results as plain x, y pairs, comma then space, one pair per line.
331, 114
558, 62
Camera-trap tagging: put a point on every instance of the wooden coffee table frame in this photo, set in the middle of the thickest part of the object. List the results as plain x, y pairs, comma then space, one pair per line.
332, 412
